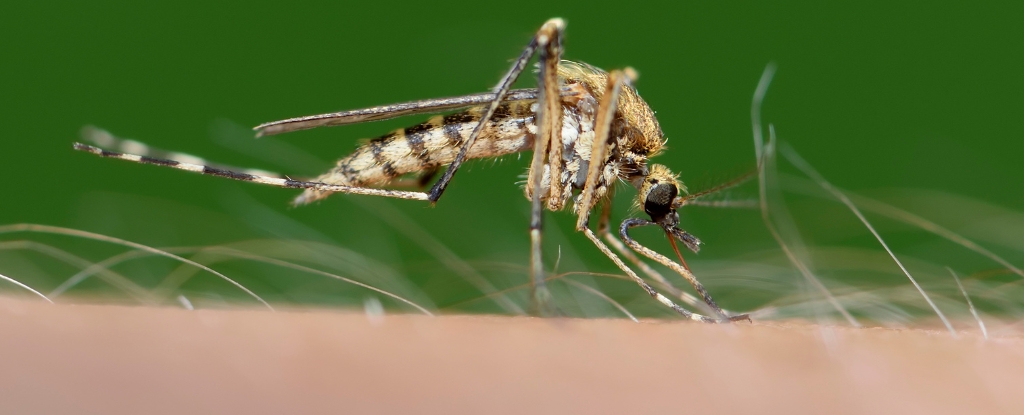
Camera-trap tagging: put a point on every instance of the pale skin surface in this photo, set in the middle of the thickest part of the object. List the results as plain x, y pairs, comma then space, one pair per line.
107, 359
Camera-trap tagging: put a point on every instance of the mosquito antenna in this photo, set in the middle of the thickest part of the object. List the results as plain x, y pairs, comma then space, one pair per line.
727, 185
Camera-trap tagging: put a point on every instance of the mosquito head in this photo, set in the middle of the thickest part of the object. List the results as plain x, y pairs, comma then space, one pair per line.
657, 195
657, 192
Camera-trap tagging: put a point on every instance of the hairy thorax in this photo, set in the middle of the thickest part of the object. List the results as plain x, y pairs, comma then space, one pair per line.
634, 137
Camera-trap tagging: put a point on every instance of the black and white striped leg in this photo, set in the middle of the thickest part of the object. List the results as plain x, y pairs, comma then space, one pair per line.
247, 175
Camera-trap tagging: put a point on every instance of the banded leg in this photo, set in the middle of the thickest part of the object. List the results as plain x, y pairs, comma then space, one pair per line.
197, 165
549, 34
610, 239
643, 284
643, 250
549, 135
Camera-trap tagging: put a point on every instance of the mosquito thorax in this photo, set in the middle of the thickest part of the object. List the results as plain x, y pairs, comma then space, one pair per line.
639, 134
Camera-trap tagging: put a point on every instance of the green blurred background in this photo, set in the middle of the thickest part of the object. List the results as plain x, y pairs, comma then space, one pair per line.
877, 95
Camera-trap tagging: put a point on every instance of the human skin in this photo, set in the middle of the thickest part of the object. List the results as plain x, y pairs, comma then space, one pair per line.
69, 358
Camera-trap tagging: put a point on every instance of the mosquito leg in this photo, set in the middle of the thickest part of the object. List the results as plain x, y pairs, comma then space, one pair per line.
551, 121
550, 33
643, 284
643, 250
602, 231
250, 176
616, 244
599, 150
589, 197
606, 213
549, 129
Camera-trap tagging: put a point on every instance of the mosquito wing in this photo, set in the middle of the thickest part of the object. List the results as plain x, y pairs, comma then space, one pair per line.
385, 112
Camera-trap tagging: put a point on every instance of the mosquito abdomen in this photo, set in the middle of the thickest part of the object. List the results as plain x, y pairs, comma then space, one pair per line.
429, 145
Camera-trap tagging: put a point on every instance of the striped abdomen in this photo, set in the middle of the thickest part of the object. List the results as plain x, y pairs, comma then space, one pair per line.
430, 145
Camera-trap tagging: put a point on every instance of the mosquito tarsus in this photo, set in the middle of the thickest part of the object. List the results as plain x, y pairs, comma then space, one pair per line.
588, 130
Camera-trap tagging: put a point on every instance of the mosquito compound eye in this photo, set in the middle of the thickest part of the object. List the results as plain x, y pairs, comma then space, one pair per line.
659, 200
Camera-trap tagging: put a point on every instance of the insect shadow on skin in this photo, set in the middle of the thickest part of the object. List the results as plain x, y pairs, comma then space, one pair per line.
588, 130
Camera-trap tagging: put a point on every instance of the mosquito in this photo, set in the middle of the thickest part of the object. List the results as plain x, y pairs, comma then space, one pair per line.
588, 130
